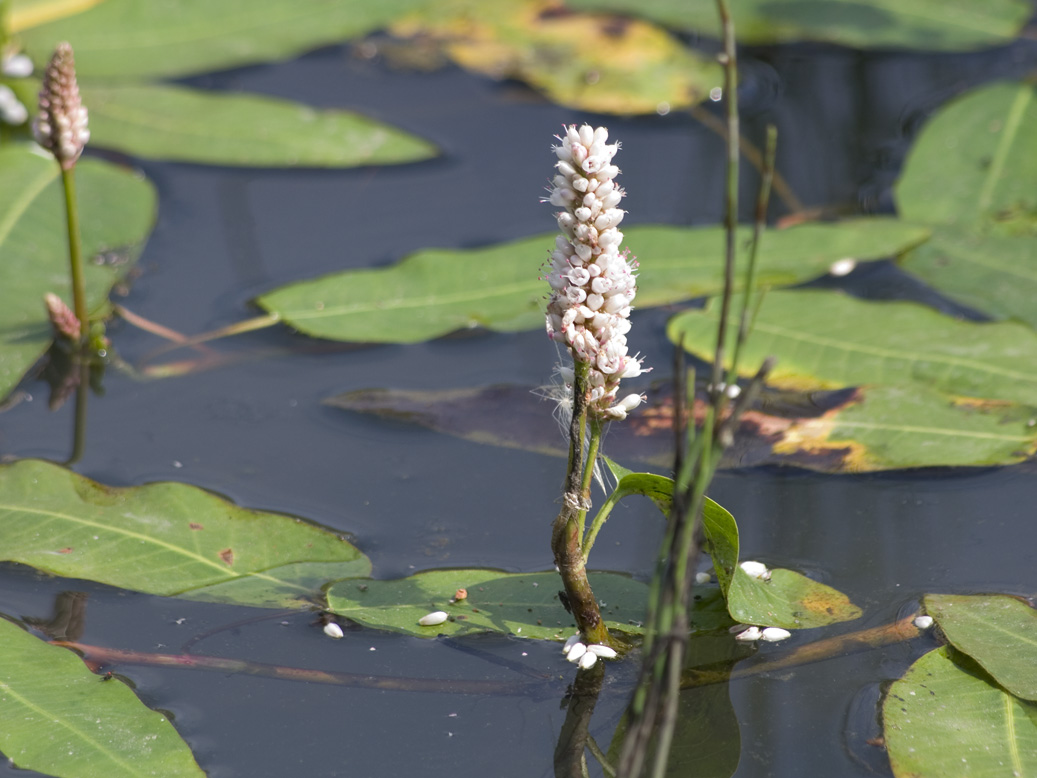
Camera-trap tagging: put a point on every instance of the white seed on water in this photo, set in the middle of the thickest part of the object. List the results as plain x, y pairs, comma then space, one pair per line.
587, 660
604, 652
333, 630
842, 267
924, 622
750, 635
572, 641
774, 634
432, 619
703, 578
756, 570
576, 652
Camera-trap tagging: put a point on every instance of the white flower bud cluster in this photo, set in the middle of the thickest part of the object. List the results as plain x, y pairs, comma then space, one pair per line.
60, 126
592, 282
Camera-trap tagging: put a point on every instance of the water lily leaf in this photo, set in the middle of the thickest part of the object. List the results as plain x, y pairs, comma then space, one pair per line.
897, 427
990, 273
134, 40
990, 178
437, 291
60, 719
597, 63
981, 201
997, 631
116, 211
945, 717
827, 340
176, 123
915, 24
165, 538
856, 430
786, 599
524, 604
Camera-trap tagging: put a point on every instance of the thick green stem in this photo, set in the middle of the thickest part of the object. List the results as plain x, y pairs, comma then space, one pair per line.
75, 252
566, 533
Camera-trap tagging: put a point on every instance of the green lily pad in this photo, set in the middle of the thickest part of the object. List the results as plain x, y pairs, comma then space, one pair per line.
974, 163
523, 604
116, 212
787, 599
828, 340
436, 291
176, 123
952, 25
945, 717
165, 538
997, 631
60, 719
981, 201
593, 62
859, 430
132, 40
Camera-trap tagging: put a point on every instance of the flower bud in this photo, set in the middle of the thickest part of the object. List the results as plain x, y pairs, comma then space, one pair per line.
61, 126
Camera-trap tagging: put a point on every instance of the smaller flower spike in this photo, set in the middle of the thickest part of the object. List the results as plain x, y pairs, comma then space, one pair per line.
60, 126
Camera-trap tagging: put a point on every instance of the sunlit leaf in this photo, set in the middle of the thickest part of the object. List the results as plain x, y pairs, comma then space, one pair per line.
23, 14
787, 599
165, 538
136, 39
176, 123
437, 291
974, 163
598, 63
829, 340
524, 604
945, 717
58, 718
945, 25
981, 201
116, 212
998, 631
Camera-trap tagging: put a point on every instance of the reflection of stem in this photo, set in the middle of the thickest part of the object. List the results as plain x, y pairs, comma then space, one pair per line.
574, 738
82, 392
101, 655
75, 251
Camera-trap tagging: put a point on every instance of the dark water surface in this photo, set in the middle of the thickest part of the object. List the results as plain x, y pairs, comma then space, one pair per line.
256, 432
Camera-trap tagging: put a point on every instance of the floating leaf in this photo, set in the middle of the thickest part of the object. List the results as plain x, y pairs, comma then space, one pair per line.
787, 599
58, 718
436, 291
981, 200
940, 25
165, 538
133, 40
997, 631
177, 123
828, 339
524, 604
945, 717
116, 212
597, 63
974, 163
895, 427
858, 430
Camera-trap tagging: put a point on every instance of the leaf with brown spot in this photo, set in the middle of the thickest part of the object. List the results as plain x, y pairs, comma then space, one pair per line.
227, 555
596, 62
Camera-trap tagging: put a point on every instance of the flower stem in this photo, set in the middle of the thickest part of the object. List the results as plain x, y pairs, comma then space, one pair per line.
75, 251
567, 531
